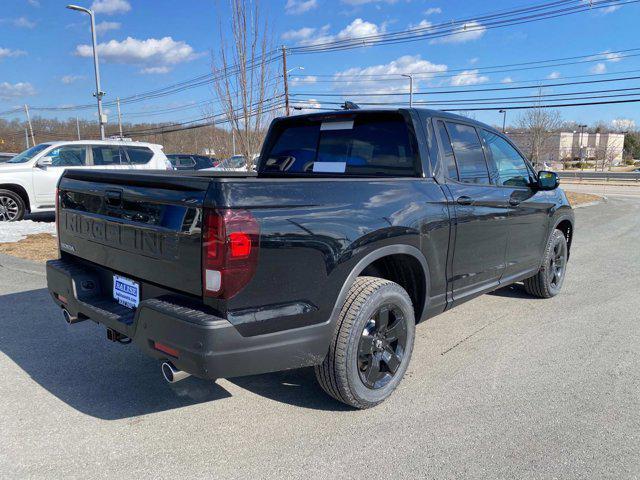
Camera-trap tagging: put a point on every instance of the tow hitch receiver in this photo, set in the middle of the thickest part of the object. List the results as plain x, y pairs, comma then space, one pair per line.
117, 336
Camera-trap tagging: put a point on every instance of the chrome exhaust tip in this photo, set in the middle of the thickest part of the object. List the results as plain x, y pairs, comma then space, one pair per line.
171, 374
68, 317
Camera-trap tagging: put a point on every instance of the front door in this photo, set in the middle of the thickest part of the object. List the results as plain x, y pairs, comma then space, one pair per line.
528, 218
45, 178
480, 210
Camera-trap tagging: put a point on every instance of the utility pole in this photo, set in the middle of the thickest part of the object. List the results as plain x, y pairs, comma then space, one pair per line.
233, 140
286, 82
582, 162
26, 111
78, 127
410, 77
119, 116
504, 118
99, 93
26, 138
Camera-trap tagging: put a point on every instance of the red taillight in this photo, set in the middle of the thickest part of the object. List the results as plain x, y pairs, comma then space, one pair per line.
230, 244
161, 347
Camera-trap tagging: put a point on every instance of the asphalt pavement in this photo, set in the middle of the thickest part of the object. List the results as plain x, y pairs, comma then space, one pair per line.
505, 386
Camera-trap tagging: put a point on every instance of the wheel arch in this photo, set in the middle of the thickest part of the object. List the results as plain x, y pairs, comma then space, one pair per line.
415, 259
565, 224
18, 190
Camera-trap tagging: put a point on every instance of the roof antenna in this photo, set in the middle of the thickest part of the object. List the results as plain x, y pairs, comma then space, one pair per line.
350, 106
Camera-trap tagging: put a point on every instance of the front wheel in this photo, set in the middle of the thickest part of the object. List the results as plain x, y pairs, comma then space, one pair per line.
12, 207
549, 279
372, 344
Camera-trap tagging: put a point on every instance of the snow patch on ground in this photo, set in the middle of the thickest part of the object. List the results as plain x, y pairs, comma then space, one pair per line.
16, 231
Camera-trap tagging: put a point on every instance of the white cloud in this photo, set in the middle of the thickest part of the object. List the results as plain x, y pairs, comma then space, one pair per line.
506, 80
10, 91
473, 60
466, 33
554, 75
598, 68
33, 3
314, 36
612, 57
433, 11
610, 9
69, 79
296, 7
308, 80
624, 124
303, 33
23, 22
423, 24
7, 52
468, 77
110, 7
156, 70
155, 55
103, 27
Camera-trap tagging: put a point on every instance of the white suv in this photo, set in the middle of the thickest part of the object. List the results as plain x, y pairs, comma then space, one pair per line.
28, 181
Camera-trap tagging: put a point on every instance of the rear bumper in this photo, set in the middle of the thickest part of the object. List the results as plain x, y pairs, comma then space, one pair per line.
208, 346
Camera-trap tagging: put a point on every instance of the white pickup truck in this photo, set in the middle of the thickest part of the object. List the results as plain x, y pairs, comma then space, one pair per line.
28, 181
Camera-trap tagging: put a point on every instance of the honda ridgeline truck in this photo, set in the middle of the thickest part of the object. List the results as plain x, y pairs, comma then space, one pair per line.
356, 226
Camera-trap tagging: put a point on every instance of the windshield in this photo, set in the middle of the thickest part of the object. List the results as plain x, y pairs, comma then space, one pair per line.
29, 154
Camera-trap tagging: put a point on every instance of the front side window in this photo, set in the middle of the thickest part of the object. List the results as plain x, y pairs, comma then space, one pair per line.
511, 167
70, 156
106, 156
140, 155
467, 148
362, 144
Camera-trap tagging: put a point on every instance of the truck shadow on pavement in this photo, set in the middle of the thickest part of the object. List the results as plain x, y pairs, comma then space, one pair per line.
111, 381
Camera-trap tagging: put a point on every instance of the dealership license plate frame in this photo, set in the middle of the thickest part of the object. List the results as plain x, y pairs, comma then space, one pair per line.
126, 291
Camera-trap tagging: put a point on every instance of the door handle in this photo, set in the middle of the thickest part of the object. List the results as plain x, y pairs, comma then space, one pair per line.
514, 202
464, 200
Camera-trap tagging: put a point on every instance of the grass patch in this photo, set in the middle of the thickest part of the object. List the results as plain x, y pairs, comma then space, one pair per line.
39, 247
577, 198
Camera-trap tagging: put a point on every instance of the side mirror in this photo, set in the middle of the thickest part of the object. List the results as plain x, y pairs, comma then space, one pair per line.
548, 180
45, 162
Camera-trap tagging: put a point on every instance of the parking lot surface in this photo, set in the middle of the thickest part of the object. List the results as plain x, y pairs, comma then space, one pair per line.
505, 386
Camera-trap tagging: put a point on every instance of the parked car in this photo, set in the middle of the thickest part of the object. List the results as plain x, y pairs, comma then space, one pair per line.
356, 226
4, 157
182, 161
28, 181
236, 163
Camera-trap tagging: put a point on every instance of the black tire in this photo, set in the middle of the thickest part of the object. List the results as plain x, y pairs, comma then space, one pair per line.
12, 206
549, 279
355, 374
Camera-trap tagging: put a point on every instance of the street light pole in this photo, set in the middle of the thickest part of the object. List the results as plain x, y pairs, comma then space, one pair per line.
410, 77
582, 162
504, 119
99, 93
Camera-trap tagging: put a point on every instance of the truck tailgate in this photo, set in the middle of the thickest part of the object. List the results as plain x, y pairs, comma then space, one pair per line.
142, 225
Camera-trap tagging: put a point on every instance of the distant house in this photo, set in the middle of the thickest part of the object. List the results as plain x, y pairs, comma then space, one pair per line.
563, 146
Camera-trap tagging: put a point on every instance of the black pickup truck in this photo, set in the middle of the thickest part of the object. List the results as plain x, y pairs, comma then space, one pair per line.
356, 226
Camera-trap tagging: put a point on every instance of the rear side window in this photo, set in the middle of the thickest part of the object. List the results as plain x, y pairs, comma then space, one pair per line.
364, 144
472, 166
449, 162
139, 155
107, 156
70, 156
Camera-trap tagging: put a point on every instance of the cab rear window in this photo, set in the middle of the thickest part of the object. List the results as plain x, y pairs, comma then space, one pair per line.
370, 144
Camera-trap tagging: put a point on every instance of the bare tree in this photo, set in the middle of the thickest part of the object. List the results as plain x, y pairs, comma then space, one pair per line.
242, 71
539, 124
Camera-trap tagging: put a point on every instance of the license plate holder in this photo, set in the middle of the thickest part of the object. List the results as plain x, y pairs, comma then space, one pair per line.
126, 291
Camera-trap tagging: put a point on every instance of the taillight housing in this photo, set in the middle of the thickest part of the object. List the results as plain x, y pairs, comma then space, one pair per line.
230, 246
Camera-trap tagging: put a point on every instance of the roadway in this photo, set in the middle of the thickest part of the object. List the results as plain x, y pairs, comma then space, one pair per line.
505, 386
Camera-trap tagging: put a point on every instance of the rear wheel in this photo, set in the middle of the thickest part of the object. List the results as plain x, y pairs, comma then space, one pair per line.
372, 344
12, 207
548, 281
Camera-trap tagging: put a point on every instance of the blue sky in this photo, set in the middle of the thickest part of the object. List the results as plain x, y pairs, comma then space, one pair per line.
45, 59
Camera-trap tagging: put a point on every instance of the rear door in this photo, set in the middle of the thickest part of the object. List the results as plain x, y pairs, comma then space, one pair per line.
528, 208
480, 211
